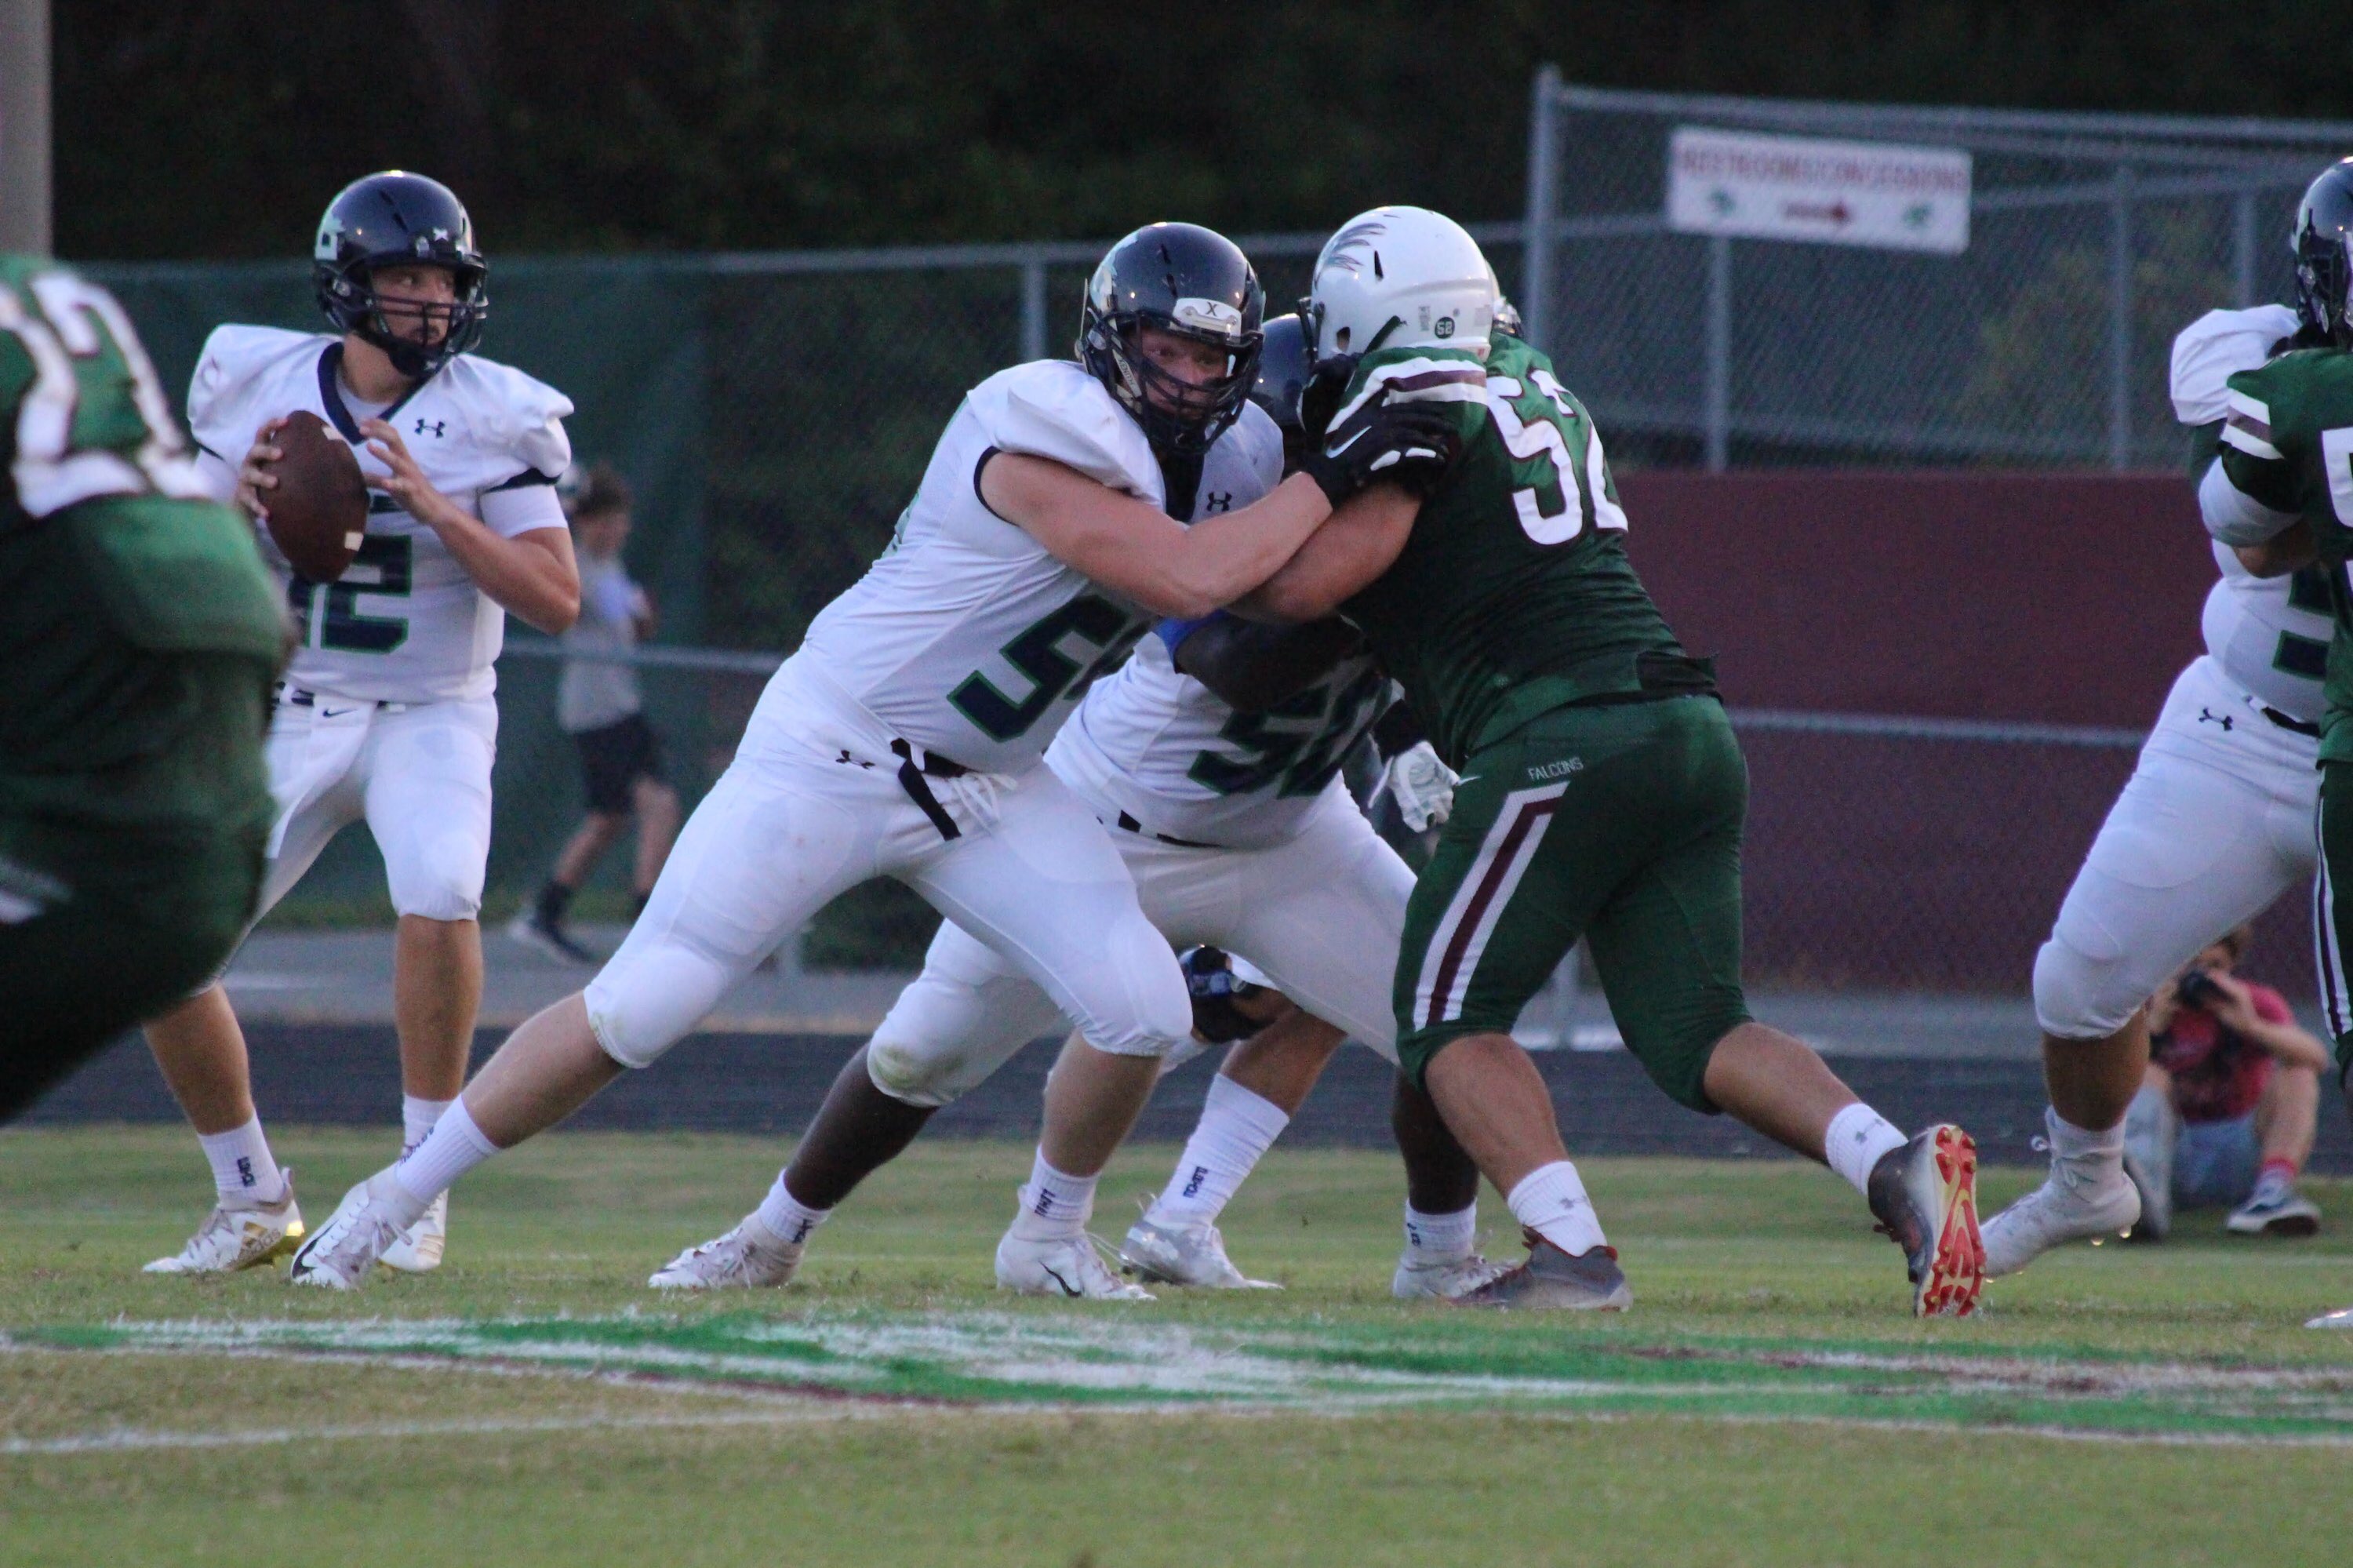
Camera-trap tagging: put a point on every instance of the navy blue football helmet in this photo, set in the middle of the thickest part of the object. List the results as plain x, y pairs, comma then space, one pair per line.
394, 218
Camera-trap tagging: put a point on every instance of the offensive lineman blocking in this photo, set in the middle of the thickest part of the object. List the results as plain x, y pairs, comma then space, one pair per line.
1240, 835
385, 713
2280, 496
2217, 820
903, 737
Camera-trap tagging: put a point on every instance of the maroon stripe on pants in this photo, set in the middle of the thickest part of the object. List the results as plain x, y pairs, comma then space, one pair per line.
1522, 825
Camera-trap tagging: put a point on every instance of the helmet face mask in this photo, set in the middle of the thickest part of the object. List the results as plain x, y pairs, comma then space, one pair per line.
2323, 242
1186, 283
390, 220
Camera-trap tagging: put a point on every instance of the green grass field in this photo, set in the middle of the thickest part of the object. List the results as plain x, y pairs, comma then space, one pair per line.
1767, 1400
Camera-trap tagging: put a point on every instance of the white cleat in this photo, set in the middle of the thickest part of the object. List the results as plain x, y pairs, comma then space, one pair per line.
417, 1249
2342, 1319
2084, 1198
749, 1257
338, 1254
1427, 1281
232, 1239
1066, 1265
1189, 1254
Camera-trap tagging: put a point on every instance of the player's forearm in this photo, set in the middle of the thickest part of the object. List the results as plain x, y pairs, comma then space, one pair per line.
1360, 543
1220, 560
2233, 516
1253, 667
537, 585
2290, 551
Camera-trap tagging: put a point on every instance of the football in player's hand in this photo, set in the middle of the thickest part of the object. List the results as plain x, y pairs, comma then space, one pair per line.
318, 512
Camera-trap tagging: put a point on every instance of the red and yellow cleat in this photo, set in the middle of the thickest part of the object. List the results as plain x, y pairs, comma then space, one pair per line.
1925, 1195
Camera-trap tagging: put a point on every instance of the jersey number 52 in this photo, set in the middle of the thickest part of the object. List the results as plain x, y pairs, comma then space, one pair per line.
1549, 438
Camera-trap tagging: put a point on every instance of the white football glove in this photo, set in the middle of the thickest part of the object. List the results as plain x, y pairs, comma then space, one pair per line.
1423, 786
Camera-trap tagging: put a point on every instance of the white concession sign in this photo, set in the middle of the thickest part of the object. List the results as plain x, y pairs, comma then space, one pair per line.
1807, 188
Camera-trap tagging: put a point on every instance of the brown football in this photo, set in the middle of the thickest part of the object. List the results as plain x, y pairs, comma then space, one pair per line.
319, 512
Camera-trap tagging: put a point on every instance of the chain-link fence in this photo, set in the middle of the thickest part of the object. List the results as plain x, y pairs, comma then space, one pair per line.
774, 413
2091, 240
1883, 854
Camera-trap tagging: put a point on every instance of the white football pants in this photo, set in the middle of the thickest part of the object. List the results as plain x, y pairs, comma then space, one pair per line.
418, 774
1320, 915
793, 823
2215, 823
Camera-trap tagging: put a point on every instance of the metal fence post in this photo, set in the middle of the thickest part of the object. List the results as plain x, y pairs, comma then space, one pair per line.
1719, 353
1033, 310
2120, 302
2242, 249
1544, 208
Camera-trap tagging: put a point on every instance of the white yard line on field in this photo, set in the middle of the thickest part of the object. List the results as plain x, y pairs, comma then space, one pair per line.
133, 1440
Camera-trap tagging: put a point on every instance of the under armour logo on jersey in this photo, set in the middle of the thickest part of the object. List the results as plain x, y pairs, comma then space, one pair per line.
2208, 715
438, 426
856, 761
1218, 501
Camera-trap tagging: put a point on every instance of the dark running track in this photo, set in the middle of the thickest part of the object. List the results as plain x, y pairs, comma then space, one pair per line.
772, 1084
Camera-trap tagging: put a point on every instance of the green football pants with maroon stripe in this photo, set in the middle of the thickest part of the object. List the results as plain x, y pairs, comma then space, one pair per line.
1618, 823
2332, 912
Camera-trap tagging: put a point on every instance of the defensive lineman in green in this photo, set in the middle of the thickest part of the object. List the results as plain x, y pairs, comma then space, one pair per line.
140, 634
1602, 792
2282, 495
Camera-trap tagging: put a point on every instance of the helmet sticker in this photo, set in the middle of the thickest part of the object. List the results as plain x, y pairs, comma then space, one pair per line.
1207, 316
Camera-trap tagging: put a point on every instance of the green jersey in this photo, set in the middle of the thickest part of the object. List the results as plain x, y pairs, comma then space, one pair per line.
1512, 596
2287, 442
138, 626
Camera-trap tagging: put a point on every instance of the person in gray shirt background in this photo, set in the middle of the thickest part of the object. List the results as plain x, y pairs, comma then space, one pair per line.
597, 703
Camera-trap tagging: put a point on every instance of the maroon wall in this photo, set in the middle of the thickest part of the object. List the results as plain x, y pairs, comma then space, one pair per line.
1882, 862
2060, 598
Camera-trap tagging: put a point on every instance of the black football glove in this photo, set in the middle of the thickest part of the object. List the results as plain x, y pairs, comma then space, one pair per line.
1414, 443
1327, 383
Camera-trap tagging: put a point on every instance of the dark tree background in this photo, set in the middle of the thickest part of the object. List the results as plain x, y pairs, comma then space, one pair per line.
219, 128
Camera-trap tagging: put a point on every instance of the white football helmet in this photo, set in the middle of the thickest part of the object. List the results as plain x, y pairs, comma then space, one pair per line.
1401, 277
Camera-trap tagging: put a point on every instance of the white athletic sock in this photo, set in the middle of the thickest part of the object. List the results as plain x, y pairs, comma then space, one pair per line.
1856, 1140
2068, 1141
1238, 1127
1551, 1201
1440, 1238
417, 1118
1053, 1205
454, 1147
785, 1217
243, 1172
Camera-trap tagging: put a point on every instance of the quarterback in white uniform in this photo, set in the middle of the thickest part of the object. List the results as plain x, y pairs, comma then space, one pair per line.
385, 714
903, 738
1241, 834
2215, 823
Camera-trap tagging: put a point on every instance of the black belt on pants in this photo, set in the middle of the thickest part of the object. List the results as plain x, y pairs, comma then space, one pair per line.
295, 696
2301, 726
912, 779
1133, 826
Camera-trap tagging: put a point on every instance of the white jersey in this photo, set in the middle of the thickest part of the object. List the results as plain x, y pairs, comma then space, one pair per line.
1163, 749
967, 637
404, 623
2268, 635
